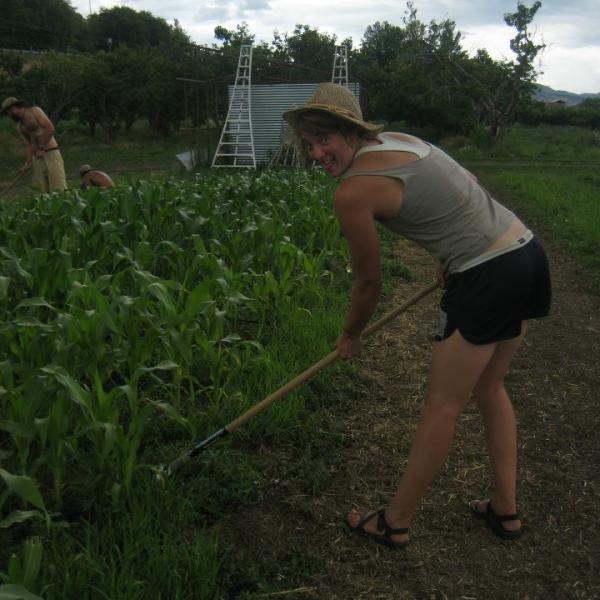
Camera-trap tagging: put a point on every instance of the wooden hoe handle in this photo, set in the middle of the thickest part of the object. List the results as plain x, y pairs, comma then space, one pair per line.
12, 184
293, 383
308, 373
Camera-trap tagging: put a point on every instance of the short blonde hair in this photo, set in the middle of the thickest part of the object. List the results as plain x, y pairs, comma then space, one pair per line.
317, 122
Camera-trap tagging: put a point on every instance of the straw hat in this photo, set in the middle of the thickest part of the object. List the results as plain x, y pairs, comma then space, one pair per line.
336, 100
9, 103
83, 169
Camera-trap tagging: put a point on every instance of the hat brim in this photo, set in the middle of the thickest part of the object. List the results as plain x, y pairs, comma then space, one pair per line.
292, 116
4, 110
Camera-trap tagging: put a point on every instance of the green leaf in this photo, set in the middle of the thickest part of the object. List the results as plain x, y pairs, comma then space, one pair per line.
32, 560
16, 263
35, 302
6, 373
41, 426
19, 516
237, 298
16, 429
77, 393
34, 324
172, 412
165, 365
16, 592
4, 283
196, 298
160, 292
24, 487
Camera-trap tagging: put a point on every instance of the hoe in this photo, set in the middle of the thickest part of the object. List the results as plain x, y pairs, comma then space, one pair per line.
163, 471
12, 184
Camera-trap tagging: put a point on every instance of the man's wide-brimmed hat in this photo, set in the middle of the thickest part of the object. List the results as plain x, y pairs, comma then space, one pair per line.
9, 103
336, 100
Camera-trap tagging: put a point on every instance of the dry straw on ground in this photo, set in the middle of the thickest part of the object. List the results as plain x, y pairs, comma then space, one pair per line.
298, 535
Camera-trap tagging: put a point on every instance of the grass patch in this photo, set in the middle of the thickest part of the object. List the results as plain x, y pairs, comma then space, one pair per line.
544, 142
564, 202
135, 153
156, 547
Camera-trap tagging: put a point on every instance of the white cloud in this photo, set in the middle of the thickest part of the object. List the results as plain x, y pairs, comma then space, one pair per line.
569, 29
558, 68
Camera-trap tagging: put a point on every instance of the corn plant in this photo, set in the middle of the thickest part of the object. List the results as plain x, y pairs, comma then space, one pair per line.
131, 319
119, 309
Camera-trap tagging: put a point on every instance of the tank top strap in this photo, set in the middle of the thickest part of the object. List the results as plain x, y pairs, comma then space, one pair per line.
389, 143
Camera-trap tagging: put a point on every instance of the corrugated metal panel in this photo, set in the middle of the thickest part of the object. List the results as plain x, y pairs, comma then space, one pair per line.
268, 103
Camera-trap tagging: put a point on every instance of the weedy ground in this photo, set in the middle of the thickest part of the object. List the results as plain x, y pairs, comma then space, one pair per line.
294, 537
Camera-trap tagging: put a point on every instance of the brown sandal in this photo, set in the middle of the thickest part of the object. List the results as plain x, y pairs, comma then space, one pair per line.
495, 521
385, 537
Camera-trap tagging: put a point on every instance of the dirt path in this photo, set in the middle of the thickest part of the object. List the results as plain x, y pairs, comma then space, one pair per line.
296, 535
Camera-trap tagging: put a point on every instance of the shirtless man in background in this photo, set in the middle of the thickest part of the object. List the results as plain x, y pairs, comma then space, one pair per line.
43, 155
94, 178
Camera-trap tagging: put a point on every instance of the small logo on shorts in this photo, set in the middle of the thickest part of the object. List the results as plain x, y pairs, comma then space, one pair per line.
441, 326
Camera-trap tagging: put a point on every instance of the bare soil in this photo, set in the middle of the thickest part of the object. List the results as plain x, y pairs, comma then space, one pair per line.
295, 537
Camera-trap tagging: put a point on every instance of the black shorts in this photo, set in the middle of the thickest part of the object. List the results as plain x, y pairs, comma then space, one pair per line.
488, 302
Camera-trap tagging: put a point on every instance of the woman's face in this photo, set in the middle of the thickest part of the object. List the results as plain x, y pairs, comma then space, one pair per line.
333, 151
14, 112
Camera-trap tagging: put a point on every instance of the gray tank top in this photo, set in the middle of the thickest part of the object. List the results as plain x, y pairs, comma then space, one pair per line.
443, 209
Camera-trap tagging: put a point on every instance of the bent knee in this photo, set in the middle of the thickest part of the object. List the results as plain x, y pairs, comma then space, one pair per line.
445, 407
488, 387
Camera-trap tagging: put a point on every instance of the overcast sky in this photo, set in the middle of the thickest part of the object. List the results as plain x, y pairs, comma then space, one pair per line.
570, 30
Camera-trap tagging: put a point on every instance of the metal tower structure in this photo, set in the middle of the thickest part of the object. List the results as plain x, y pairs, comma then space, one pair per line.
340, 66
236, 144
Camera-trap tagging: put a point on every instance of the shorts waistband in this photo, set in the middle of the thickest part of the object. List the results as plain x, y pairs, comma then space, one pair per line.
51, 149
515, 245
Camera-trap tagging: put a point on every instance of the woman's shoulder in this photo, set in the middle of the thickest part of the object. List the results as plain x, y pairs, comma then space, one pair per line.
392, 150
398, 136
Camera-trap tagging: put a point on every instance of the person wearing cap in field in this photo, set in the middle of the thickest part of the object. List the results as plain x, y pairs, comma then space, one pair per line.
94, 178
43, 156
495, 277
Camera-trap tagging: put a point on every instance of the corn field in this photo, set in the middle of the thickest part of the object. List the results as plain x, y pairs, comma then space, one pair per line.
127, 318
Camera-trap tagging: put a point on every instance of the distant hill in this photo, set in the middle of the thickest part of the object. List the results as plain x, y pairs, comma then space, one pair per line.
547, 94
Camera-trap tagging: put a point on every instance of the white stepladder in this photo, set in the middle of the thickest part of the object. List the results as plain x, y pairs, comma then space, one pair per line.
286, 155
236, 144
339, 73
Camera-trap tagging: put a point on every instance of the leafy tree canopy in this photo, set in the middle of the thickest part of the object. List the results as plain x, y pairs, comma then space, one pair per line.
42, 25
123, 26
414, 73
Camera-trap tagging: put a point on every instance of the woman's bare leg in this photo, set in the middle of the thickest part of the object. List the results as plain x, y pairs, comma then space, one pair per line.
500, 428
456, 367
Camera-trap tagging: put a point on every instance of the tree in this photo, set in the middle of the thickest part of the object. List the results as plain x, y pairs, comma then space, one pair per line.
11, 63
161, 98
501, 88
382, 43
54, 82
123, 26
309, 48
381, 48
113, 88
42, 25
407, 68
587, 114
234, 38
